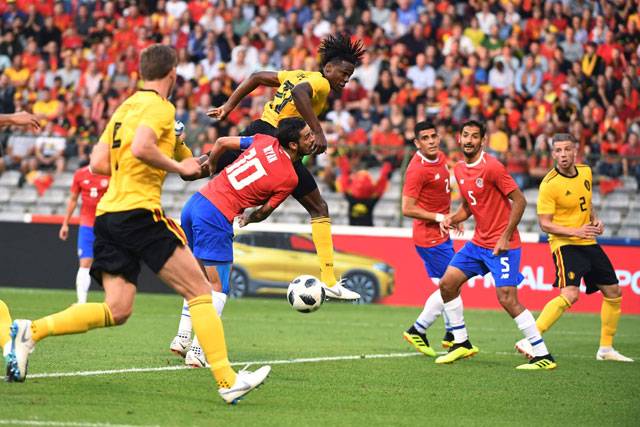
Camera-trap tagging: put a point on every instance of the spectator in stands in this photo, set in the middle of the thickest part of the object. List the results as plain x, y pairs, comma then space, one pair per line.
610, 149
7, 93
422, 75
19, 153
528, 78
361, 192
386, 143
631, 158
49, 150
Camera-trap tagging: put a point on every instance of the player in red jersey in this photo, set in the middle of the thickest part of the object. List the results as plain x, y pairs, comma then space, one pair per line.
90, 187
263, 175
426, 197
491, 195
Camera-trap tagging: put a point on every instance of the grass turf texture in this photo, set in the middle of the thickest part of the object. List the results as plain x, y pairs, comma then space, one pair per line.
484, 390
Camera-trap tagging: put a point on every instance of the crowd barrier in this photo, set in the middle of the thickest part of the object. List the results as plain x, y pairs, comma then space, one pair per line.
33, 256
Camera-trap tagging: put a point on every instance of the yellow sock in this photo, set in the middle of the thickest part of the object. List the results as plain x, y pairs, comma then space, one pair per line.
208, 328
74, 320
551, 313
321, 233
609, 316
5, 323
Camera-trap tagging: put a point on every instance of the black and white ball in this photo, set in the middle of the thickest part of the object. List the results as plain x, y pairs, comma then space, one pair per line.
178, 127
305, 294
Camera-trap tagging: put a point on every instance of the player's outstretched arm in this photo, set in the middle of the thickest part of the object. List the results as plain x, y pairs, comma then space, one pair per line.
144, 148
21, 118
255, 215
302, 93
100, 159
259, 78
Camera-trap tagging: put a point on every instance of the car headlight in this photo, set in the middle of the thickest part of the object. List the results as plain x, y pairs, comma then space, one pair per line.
385, 268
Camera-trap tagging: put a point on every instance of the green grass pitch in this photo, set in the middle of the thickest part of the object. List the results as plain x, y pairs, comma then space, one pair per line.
403, 390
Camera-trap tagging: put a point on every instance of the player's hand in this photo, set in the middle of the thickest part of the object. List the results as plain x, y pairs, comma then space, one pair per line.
458, 229
23, 118
64, 232
599, 225
319, 144
587, 231
445, 225
501, 246
244, 219
189, 167
219, 113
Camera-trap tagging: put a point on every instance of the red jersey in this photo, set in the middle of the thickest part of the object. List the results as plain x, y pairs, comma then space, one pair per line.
91, 188
485, 184
428, 183
262, 174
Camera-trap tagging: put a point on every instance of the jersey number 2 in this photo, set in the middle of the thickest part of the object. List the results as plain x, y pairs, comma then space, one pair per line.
248, 162
583, 202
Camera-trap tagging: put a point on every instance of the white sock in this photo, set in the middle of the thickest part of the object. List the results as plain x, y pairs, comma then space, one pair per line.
527, 325
454, 316
219, 300
432, 310
83, 282
184, 328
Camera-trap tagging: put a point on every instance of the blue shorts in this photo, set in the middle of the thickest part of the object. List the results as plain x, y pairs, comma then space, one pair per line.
85, 242
224, 272
209, 233
436, 258
475, 260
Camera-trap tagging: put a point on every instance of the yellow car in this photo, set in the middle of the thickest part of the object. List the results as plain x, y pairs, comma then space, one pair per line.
265, 263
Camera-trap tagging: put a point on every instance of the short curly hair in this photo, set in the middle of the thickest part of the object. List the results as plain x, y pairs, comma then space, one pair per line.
340, 48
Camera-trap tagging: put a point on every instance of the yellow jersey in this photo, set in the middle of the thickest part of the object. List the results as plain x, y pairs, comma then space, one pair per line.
282, 105
568, 199
135, 184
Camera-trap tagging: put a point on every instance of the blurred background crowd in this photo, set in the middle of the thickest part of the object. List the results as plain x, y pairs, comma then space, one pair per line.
528, 68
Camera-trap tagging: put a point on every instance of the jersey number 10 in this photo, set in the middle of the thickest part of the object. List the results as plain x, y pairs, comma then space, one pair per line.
248, 162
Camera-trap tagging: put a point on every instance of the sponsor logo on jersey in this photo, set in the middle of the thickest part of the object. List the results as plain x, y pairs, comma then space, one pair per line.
479, 182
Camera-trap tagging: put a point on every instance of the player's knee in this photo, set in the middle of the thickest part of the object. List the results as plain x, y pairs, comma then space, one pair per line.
120, 313
318, 208
612, 291
507, 300
571, 294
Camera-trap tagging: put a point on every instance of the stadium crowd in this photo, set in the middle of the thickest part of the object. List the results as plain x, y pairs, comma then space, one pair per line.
529, 68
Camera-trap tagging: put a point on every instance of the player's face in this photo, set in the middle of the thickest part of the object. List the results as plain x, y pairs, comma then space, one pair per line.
306, 141
470, 141
338, 74
564, 153
428, 142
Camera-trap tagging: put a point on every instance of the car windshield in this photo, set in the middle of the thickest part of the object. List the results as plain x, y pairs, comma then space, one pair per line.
302, 244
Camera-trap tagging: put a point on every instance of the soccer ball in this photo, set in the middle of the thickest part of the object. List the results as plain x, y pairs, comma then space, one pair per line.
178, 127
305, 294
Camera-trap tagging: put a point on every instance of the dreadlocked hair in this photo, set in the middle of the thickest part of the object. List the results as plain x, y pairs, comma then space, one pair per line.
340, 48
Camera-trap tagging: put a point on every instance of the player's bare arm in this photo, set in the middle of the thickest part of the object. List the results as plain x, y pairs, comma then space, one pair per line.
255, 215
518, 205
301, 94
456, 219
587, 231
595, 221
21, 118
144, 148
411, 209
220, 146
72, 203
260, 78
100, 159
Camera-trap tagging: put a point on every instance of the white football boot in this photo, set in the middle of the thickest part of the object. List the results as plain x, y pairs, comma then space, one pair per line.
245, 382
612, 354
196, 358
180, 344
17, 361
339, 291
525, 348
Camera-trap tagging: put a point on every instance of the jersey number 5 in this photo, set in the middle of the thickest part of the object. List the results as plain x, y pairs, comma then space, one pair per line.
473, 199
248, 162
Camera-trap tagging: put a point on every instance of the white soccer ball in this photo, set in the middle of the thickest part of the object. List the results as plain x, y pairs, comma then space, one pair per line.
305, 293
178, 127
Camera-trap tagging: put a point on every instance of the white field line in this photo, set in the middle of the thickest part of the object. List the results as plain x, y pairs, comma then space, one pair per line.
277, 362
61, 423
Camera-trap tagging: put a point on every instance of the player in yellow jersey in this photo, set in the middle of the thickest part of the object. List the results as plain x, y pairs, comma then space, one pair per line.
138, 149
304, 94
565, 212
24, 119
